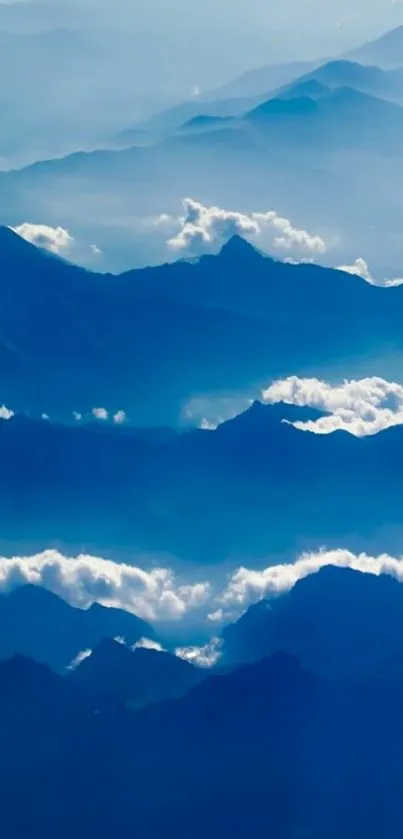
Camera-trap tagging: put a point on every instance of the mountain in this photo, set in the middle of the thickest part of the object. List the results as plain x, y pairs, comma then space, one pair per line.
137, 677
342, 73
386, 51
269, 740
36, 623
333, 120
105, 489
341, 623
263, 79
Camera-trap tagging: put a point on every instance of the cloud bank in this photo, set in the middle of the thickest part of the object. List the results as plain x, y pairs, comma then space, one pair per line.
247, 586
83, 580
202, 228
363, 406
157, 595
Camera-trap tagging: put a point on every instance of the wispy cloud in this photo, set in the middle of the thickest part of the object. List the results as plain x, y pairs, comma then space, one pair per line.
363, 406
201, 228
361, 268
204, 656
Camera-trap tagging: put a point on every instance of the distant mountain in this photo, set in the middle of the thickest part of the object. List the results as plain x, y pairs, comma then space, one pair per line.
341, 623
342, 73
139, 677
333, 120
386, 51
36, 623
106, 489
264, 79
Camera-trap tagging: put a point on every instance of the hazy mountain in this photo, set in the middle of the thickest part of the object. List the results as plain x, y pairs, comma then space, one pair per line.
109, 490
340, 623
34, 622
342, 73
137, 677
385, 51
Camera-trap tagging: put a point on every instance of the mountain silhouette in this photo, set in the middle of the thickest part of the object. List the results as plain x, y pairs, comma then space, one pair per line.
138, 677
385, 51
341, 624
109, 488
36, 623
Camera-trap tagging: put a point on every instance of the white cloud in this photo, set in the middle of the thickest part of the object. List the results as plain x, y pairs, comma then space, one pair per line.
201, 228
206, 656
77, 416
148, 644
152, 595
5, 413
54, 239
247, 586
361, 268
119, 418
79, 659
363, 406
100, 413
57, 240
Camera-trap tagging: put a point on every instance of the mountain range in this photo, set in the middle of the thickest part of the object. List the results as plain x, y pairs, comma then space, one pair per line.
38, 624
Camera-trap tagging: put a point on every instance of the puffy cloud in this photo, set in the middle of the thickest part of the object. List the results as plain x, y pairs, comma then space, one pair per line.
205, 656
57, 240
363, 406
79, 659
148, 644
153, 595
201, 228
100, 413
361, 268
119, 418
54, 239
247, 586
5, 413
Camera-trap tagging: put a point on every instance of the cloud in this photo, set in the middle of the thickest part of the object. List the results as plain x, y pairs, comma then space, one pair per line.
363, 406
152, 595
206, 656
100, 414
119, 418
202, 228
148, 644
5, 413
361, 268
247, 586
57, 240
79, 659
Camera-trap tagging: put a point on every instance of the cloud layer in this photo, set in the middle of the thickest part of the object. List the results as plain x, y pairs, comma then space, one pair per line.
363, 406
205, 656
201, 228
247, 586
153, 595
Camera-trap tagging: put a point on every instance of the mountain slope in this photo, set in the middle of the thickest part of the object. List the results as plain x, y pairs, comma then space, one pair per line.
341, 623
36, 623
137, 677
386, 51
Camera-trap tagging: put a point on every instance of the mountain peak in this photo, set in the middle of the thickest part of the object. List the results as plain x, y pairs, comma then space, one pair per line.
239, 248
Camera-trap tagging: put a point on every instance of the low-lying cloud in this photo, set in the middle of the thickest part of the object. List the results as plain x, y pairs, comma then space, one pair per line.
247, 586
363, 406
57, 240
155, 594
205, 656
361, 268
200, 229
158, 595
